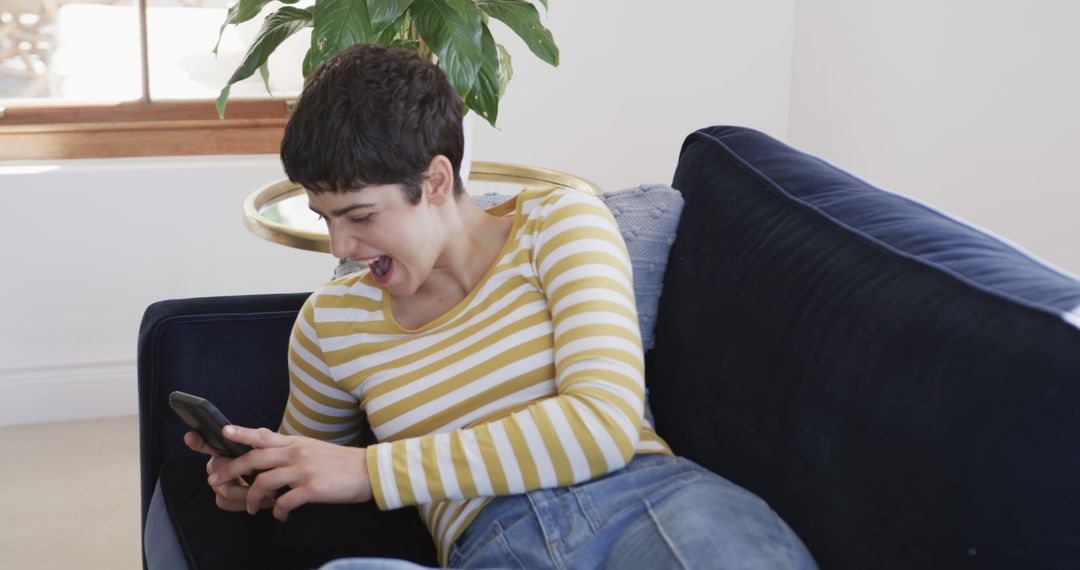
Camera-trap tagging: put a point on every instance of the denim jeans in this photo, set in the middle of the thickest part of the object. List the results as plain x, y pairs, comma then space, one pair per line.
658, 512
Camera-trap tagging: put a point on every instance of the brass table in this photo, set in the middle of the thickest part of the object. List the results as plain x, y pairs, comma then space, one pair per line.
279, 212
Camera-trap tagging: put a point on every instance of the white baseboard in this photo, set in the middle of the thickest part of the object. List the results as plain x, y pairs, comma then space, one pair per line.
68, 392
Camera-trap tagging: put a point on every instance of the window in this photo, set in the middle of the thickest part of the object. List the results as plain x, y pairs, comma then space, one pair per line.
104, 78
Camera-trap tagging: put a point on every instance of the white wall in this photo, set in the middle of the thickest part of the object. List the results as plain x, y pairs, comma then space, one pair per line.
635, 78
86, 247
970, 105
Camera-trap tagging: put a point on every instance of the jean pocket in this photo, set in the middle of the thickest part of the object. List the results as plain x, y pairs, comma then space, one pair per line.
461, 549
492, 550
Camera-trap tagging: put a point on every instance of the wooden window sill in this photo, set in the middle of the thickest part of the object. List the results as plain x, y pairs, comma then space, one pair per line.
142, 129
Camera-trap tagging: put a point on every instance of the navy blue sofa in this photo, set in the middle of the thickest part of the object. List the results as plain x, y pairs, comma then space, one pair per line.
902, 388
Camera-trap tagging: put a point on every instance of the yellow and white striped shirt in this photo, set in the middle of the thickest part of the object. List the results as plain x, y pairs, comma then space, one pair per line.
534, 380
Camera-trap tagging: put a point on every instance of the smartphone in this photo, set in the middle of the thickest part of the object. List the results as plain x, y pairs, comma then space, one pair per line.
204, 418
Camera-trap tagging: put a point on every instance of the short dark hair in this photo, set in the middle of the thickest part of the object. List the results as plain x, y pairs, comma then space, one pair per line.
371, 115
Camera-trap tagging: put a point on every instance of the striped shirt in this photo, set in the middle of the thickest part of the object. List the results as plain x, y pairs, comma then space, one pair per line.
534, 380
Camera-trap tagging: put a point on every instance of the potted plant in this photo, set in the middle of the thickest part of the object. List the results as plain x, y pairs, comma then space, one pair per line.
452, 33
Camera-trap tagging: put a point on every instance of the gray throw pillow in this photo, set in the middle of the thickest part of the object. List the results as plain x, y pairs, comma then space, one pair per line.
647, 216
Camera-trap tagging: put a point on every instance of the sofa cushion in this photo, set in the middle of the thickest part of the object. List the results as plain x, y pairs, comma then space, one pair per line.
647, 216
232, 351
900, 386
213, 539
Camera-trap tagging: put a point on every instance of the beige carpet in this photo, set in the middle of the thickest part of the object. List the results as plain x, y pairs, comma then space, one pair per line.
69, 495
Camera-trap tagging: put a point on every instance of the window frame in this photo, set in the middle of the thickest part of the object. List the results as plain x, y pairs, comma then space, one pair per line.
144, 127
159, 128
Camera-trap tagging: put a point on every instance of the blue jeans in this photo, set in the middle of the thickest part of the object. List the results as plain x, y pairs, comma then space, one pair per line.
658, 512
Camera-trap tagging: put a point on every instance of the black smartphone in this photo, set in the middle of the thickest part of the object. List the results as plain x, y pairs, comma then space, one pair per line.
206, 420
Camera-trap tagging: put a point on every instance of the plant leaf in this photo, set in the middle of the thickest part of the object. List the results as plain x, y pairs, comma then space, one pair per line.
389, 38
452, 30
484, 96
264, 72
223, 99
523, 18
243, 11
405, 44
283, 23
306, 67
506, 70
384, 13
339, 24
394, 32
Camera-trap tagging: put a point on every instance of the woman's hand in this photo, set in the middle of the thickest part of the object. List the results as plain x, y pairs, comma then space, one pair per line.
313, 471
232, 494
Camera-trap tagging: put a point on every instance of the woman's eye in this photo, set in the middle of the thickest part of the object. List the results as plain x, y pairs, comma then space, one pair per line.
362, 219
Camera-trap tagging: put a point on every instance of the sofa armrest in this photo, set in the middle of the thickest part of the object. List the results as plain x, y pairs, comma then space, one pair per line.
230, 350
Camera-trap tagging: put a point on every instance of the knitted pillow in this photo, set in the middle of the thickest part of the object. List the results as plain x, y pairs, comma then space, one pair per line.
647, 216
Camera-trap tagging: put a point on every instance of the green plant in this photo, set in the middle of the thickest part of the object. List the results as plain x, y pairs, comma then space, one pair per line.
454, 33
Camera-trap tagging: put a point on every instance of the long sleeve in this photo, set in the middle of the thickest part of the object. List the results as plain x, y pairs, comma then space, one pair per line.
317, 407
591, 427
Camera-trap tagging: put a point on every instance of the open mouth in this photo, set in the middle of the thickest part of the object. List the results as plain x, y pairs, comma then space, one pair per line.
381, 266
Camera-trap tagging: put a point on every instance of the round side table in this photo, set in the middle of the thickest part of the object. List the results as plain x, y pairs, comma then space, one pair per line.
279, 212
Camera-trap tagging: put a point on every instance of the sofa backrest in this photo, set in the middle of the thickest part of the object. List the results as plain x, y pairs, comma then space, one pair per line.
901, 387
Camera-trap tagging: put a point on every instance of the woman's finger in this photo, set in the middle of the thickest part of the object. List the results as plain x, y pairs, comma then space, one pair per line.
232, 491
233, 497
290, 501
230, 505
216, 462
257, 438
240, 506
196, 444
266, 485
254, 460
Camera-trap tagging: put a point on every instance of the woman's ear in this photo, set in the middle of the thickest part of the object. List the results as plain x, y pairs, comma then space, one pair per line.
439, 180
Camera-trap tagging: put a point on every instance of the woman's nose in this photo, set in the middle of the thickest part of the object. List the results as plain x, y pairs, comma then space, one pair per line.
341, 244
344, 244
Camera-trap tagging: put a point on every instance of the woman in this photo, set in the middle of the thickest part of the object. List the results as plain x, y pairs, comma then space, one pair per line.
494, 353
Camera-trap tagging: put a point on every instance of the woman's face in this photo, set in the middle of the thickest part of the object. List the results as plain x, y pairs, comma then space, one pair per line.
377, 226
